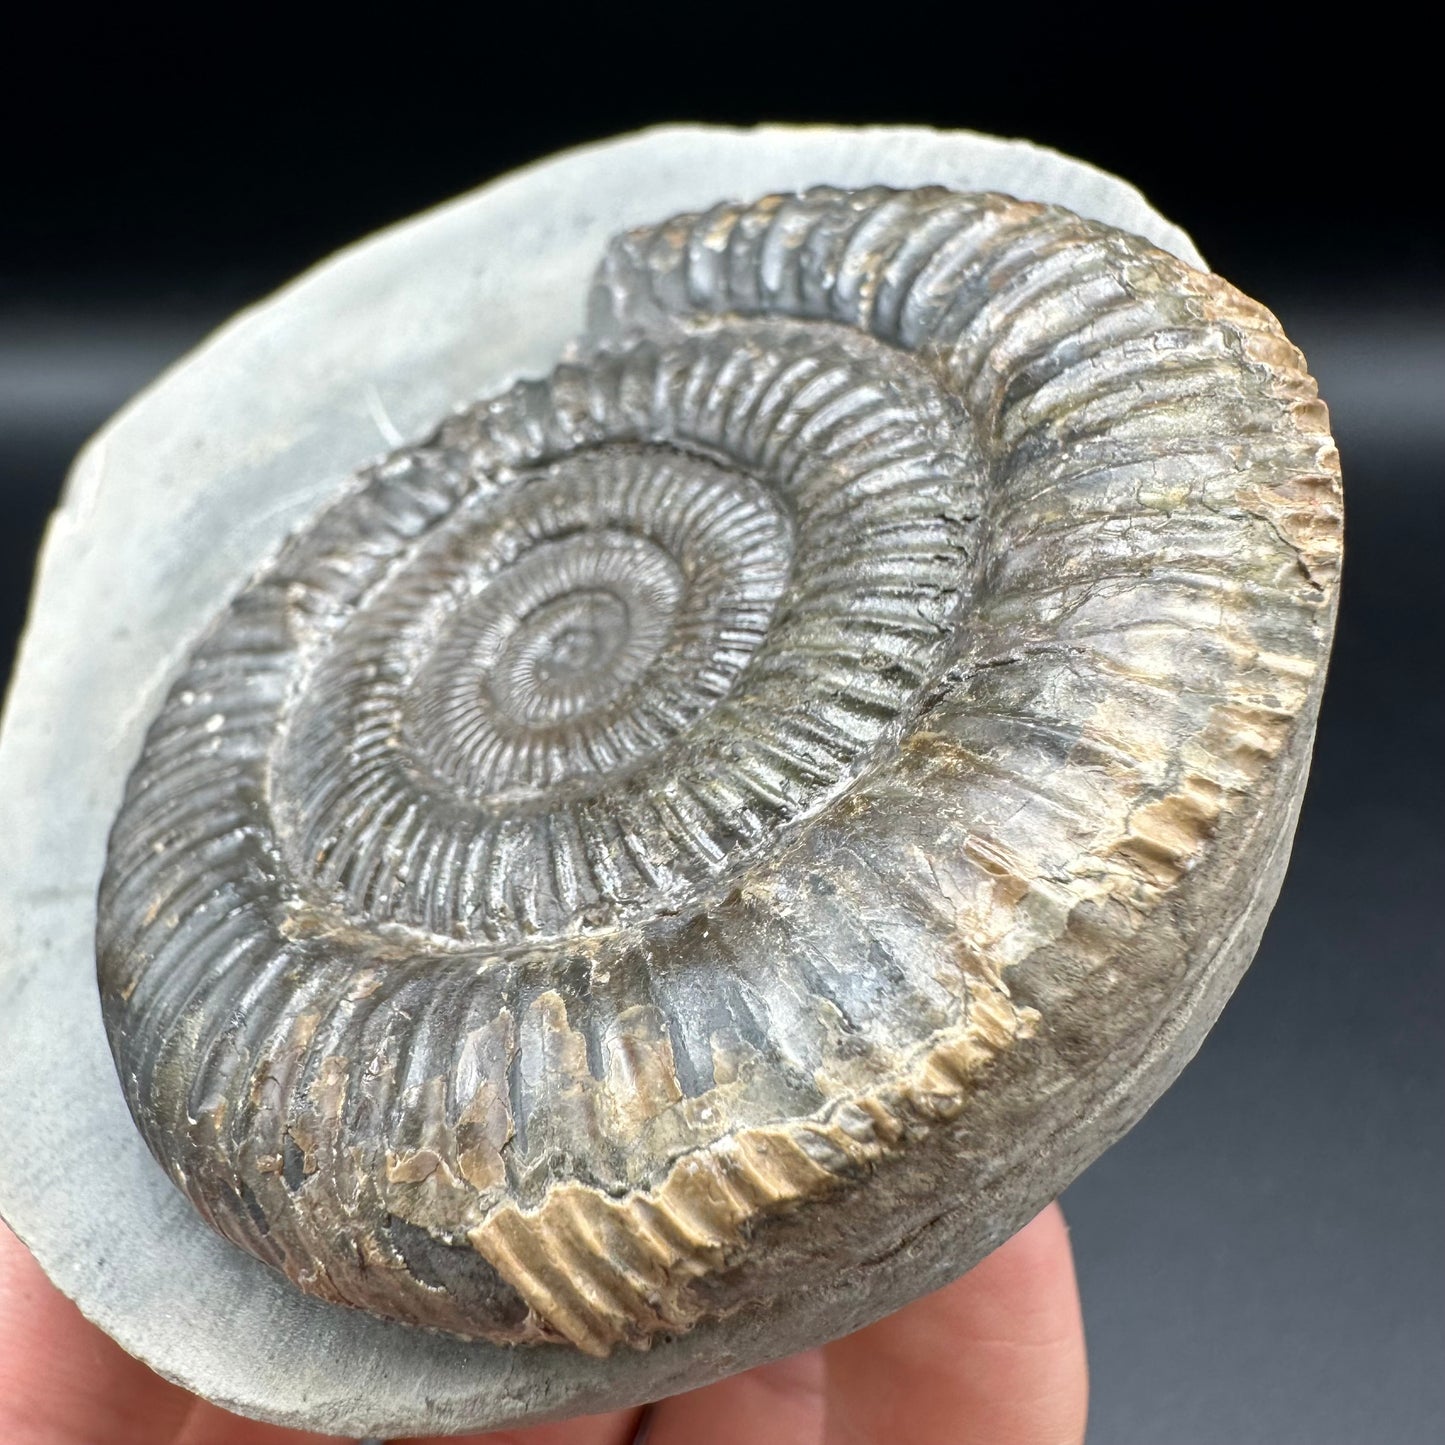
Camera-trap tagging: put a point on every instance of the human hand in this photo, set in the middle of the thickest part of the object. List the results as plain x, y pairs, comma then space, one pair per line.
997, 1358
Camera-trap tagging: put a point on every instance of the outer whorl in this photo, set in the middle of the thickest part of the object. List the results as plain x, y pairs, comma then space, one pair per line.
774, 772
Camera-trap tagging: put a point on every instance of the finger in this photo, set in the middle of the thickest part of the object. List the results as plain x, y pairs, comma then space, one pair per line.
210, 1425
777, 1404
996, 1358
617, 1427
64, 1382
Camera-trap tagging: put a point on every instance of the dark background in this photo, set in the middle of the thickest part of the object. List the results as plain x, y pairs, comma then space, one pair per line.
1263, 1259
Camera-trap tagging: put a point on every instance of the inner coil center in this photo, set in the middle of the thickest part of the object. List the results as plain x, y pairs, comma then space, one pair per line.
645, 625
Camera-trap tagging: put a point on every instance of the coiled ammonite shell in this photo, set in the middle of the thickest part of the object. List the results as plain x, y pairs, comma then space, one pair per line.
805, 763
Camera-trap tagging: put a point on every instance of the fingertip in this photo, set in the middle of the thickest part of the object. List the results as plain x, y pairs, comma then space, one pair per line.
995, 1358
62, 1380
1031, 1277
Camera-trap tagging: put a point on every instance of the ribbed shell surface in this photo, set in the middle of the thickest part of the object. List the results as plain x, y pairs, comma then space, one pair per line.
682, 789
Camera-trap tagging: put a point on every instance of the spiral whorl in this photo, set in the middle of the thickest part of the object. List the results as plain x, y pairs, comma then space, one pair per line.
654, 803
577, 696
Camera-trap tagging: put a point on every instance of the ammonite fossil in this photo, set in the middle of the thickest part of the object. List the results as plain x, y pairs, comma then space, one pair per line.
790, 777
687, 791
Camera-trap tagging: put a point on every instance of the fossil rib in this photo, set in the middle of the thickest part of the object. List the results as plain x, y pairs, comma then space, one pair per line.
741, 778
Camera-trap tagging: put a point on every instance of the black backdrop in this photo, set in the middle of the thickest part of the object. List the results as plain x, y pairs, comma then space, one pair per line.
1262, 1259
